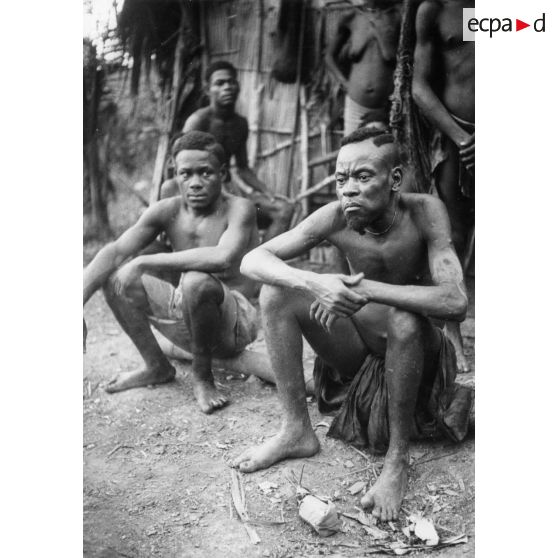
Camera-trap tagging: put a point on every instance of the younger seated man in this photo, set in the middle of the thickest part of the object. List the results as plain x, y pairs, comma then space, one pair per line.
372, 330
230, 129
206, 311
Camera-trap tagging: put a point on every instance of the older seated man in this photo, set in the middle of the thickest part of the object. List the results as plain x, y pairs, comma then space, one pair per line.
382, 362
206, 310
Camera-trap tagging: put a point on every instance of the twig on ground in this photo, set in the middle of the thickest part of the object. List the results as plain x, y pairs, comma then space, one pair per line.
238, 498
435, 457
116, 448
361, 453
353, 472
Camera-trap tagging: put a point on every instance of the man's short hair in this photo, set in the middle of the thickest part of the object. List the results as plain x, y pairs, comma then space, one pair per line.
200, 141
379, 137
219, 65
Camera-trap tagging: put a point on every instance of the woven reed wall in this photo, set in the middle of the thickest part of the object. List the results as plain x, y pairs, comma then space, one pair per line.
232, 28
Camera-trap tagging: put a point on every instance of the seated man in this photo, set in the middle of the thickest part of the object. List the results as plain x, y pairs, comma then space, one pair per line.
404, 274
231, 130
205, 312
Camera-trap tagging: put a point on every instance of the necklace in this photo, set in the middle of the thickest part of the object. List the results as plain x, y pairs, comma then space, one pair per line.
387, 229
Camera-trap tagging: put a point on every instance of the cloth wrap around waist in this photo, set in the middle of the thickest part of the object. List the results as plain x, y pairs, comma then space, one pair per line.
443, 406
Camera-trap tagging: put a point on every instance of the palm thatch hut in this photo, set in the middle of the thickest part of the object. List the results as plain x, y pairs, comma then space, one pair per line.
292, 106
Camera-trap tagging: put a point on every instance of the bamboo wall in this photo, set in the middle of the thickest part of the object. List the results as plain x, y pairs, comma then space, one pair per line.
232, 32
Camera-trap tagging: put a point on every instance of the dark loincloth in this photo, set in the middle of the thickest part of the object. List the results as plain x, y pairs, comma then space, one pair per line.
442, 409
439, 152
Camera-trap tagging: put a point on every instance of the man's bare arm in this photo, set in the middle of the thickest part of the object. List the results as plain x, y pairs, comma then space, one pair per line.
423, 94
233, 243
114, 254
266, 264
446, 298
333, 52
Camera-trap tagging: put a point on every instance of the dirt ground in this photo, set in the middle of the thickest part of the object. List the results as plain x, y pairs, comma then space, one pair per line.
156, 482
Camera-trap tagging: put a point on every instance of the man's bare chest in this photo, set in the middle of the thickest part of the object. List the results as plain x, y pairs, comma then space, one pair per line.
186, 233
396, 259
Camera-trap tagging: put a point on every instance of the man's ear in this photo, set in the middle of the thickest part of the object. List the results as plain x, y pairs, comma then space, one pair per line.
223, 172
396, 178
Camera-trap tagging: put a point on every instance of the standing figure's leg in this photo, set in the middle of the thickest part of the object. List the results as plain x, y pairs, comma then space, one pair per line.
202, 297
412, 346
131, 311
459, 210
285, 316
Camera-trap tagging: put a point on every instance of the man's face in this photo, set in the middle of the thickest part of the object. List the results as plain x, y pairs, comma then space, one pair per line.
199, 177
223, 88
365, 178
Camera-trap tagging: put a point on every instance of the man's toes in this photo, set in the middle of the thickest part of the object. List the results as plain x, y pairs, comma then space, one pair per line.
246, 466
366, 501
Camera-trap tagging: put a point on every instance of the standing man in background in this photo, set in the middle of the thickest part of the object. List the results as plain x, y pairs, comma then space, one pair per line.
231, 131
444, 90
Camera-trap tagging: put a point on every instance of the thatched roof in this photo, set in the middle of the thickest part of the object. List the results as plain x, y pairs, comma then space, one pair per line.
148, 30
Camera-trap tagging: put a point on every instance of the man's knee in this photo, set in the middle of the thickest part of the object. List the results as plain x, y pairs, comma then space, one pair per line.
133, 293
198, 287
273, 299
404, 326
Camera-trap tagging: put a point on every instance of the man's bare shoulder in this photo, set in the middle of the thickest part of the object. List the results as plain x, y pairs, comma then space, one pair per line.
327, 220
428, 212
239, 206
427, 13
199, 120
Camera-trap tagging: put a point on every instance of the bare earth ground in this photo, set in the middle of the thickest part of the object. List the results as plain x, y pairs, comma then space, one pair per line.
156, 482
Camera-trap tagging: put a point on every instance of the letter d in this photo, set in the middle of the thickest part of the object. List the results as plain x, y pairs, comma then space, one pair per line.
542, 21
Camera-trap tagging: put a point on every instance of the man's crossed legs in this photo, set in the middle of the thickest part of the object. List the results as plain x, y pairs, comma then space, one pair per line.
200, 312
411, 354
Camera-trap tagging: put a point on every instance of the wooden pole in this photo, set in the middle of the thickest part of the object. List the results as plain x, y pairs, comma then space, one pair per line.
297, 98
304, 150
164, 140
258, 90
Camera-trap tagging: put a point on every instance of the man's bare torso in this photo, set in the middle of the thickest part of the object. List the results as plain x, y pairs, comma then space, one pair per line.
455, 69
371, 51
186, 231
399, 258
230, 133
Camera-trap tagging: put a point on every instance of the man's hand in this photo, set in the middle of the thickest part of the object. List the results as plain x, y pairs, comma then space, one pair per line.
126, 276
323, 316
333, 293
467, 153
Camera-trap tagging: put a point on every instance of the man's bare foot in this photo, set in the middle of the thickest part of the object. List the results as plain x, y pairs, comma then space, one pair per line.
453, 331
284, 444
386, 495
208, 396
140, 378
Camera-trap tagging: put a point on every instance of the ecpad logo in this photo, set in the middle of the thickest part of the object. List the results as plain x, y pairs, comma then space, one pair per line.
491, 25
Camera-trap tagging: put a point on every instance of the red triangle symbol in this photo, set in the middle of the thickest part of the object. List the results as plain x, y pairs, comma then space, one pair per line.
519, 25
